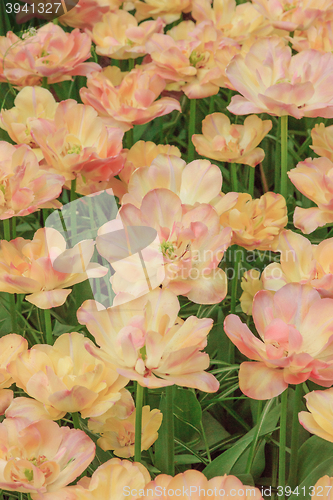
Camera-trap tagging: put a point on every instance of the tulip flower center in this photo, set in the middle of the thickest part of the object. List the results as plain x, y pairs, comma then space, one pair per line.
74, 149
168, 250
196, 58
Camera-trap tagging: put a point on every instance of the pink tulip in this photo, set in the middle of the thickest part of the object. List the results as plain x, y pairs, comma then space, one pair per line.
287, 352
271, 80
48, 52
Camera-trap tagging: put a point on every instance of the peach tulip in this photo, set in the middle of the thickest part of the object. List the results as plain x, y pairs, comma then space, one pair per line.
271, 80
196, 182
48, 52
24, 186
11, 345
237, 22
30, 103
193, 484
318, 37
222, 141
77, 143
190, 239
256, 224
127, 99
320, 416
113, 480
41, 457
322, 140
30, 409
324, 484
141, 154
168, 10
6, 399
313, 178
250, 284
118, 434
66, 378
118, 35
148, 342
301, 262
287, 352
86, 13
26, 266
291, 15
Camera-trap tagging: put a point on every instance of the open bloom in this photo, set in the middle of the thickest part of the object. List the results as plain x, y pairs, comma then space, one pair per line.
318, 37
111, 481
325, 483
118, 35
11, 346
118, 434
167, 10
195, 482
86, 13
77, 143
147, 341
66, 378
26, 266
30, 103
141, 154
322, 140
196, 182
256, 223
301, 262
127, 99
24, 186
313, 178
237, 22
48, 52
291, 15
319, 419
287, 351
271, 80
41, 457
190, 239
232, 143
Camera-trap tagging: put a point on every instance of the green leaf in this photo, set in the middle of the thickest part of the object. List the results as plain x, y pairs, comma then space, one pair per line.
324, 469
224, 463
187, 412
311, 454
214, 431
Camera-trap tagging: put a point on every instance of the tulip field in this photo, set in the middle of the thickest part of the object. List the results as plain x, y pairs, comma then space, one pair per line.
166, 250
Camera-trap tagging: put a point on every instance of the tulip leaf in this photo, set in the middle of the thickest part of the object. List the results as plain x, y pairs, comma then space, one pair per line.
187, 412
311, 454
323, 469
225, 462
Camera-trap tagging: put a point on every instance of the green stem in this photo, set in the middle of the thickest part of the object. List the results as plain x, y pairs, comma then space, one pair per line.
234, 285
211, 104
130, 64
252, 173
206, 442
14, 227
292, 480
191, 131
76, 420
234, 180
6, 229
170, 451
284, 155
283, 436
73, 189
48, 326
261, 415
138, 422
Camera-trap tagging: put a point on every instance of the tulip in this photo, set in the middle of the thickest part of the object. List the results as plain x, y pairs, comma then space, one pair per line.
319, 36
30, 103
313, 178
77, 142
322, 140
24, 186
66, 378
250, 284
232, 143
26, 266
271, 80
148, 342
118, 434
287, 352
86, 13
319, 419
168, 10
48, 52
257, 223
127, 99
41, 457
